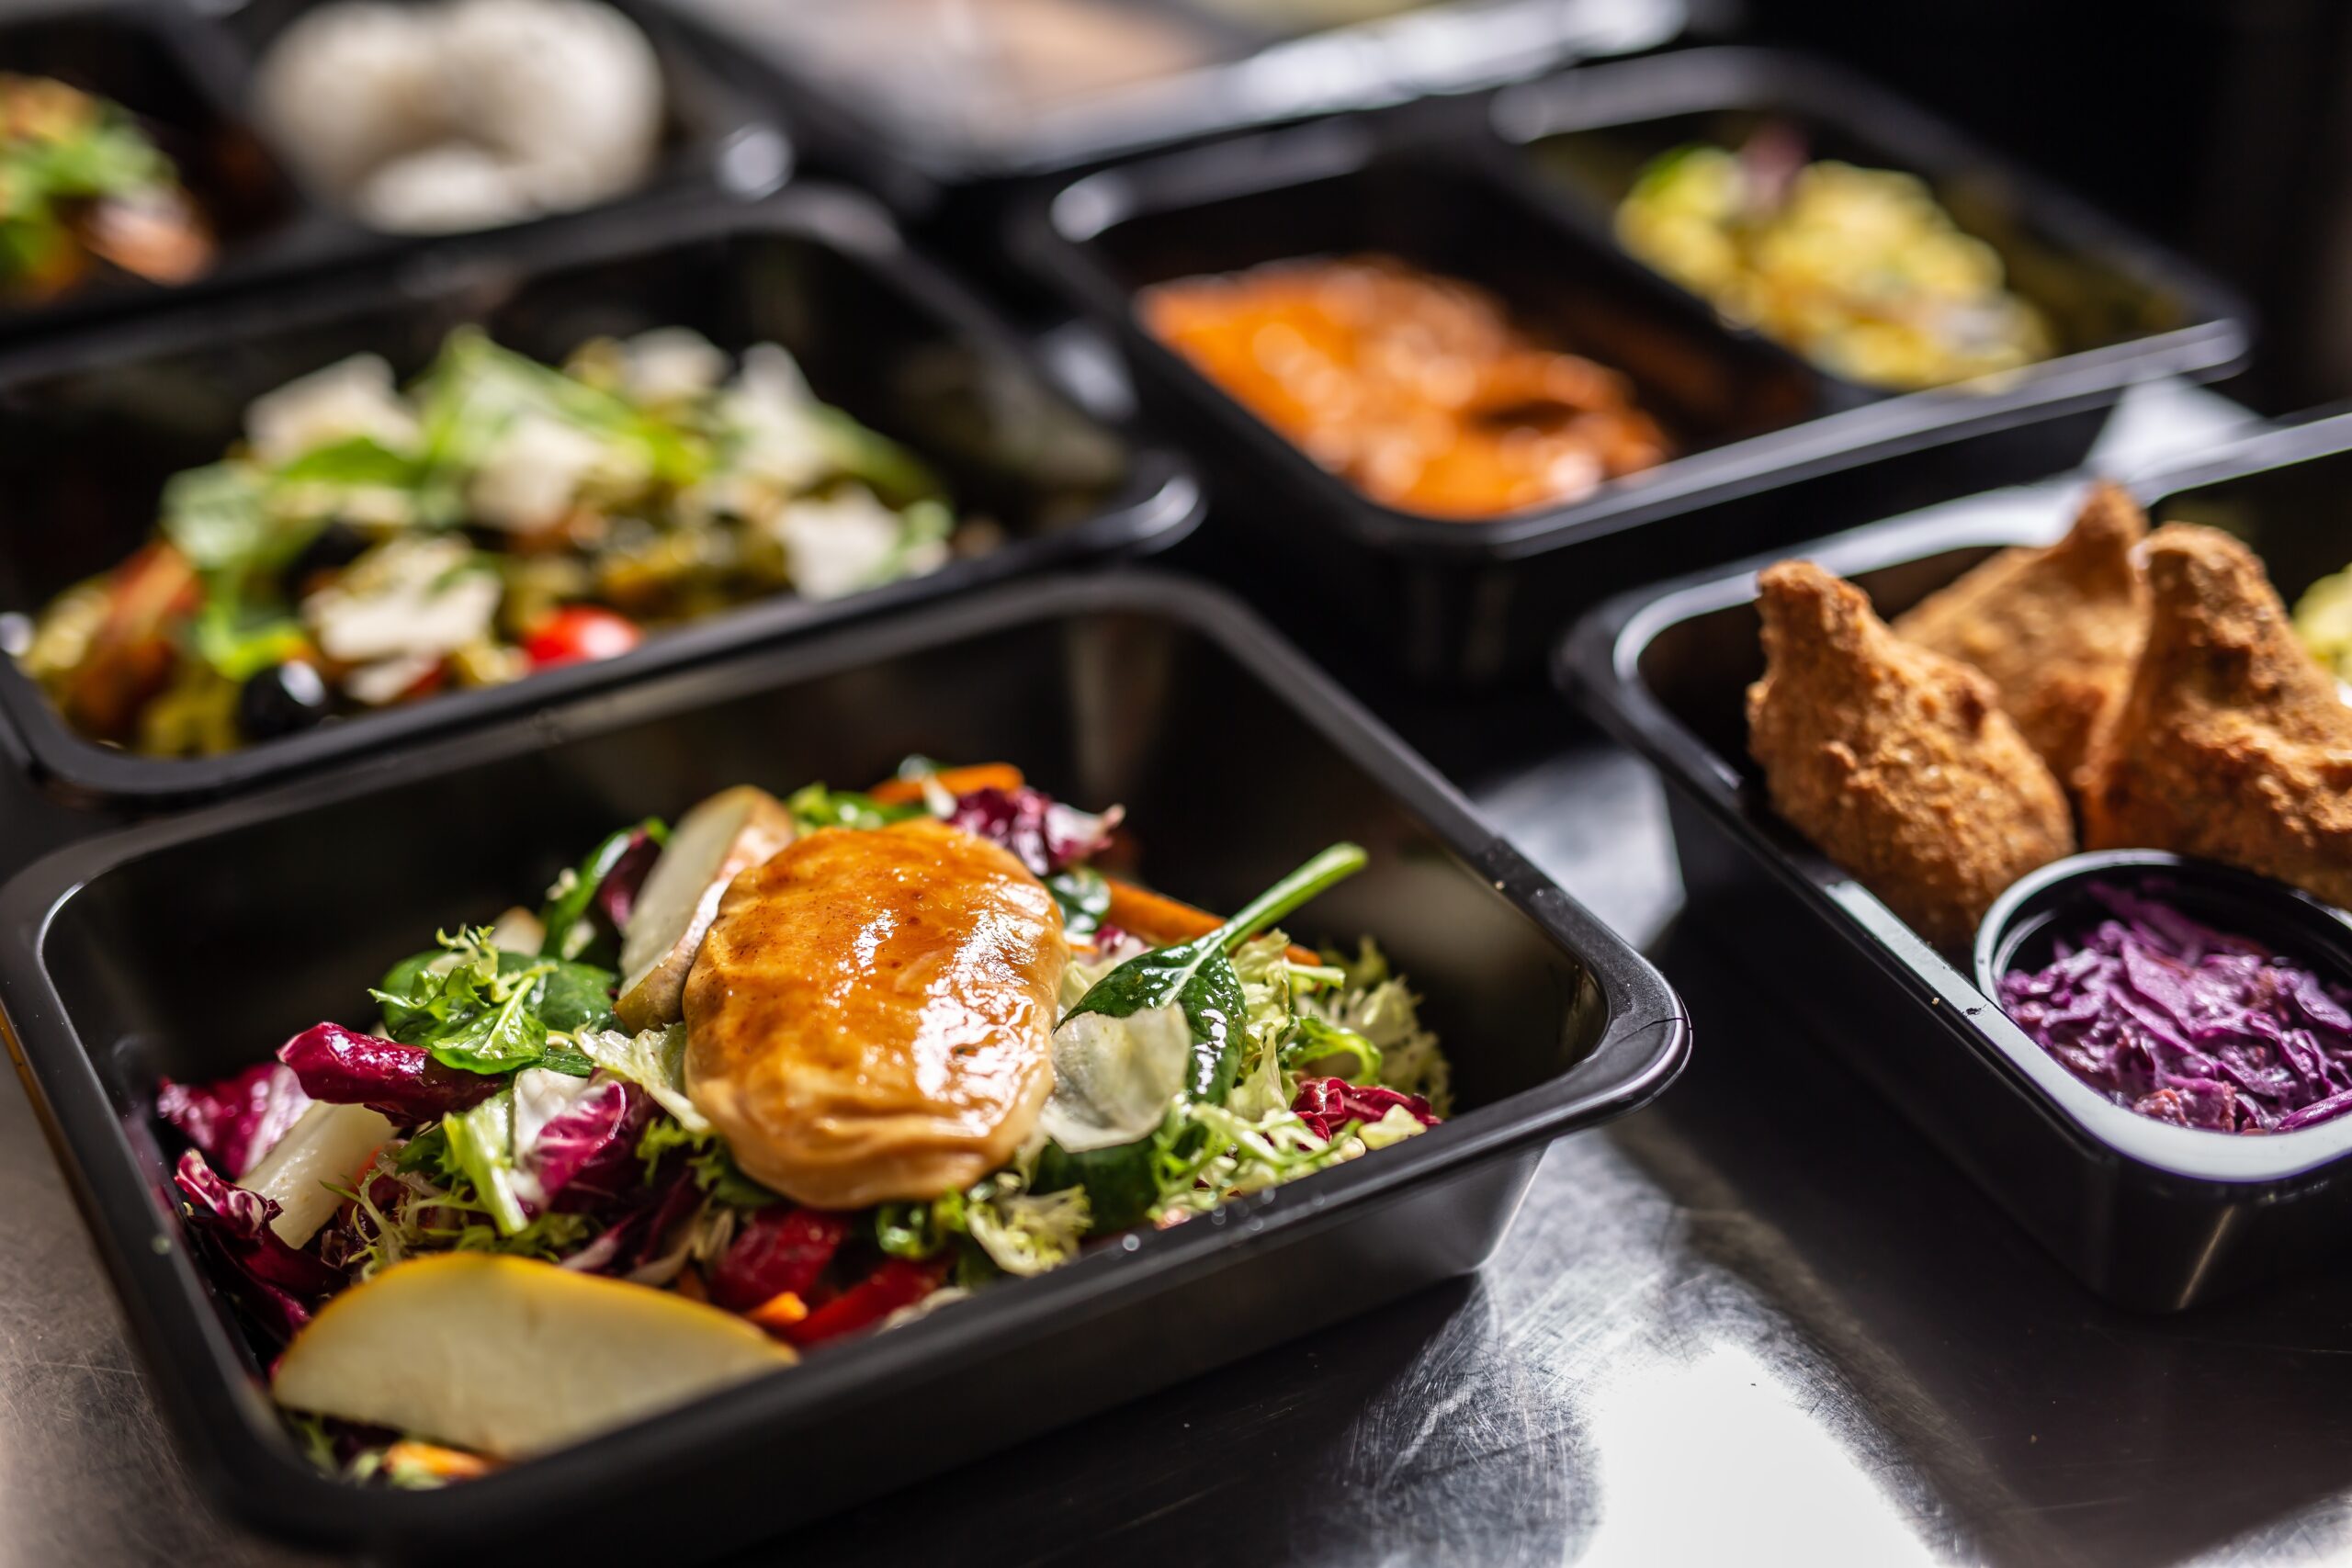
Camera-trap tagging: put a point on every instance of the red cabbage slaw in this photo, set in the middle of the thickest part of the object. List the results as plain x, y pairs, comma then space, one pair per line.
2183, 1024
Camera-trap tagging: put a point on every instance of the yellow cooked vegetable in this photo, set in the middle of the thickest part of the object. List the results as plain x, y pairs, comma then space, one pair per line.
1858, 269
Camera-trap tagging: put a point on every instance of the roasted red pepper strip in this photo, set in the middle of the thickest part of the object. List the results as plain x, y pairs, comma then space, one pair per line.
777, 1250
899, 1283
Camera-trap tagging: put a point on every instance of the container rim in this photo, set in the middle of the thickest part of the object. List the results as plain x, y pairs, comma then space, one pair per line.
1157, 501
1377, 64
1052, 233
708, 157
207, 64
1628, 93
226, 1426
1597, 664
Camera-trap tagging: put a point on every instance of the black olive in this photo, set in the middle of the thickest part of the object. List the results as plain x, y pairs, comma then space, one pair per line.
284, 699
331, 548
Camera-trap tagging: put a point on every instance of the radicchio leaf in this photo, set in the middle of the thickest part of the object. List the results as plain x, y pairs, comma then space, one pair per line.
575, 1139
276, 1284
1326, 1105
615, 896
1043, 834
239, 1119
343, 1066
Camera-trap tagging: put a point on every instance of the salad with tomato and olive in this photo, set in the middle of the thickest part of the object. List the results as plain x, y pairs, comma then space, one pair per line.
367, 544
789, 1072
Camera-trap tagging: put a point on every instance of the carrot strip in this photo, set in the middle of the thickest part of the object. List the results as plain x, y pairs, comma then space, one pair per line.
443, 1464
779, 1312
1157, 918
955, 780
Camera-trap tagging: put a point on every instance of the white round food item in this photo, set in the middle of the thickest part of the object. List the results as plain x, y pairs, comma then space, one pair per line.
569, 90
839, 544
412, 598
349, 85
350, 398
673, 365
444, 189
438, 118
531, 474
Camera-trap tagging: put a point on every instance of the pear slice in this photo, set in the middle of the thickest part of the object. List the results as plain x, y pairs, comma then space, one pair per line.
511, 1357
327, 1142
713, 844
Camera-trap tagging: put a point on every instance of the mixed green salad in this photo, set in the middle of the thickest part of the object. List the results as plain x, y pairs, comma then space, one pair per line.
498, 1144
369, 544
80, 185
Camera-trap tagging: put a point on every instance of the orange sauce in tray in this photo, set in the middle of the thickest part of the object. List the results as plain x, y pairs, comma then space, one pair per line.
1416, 389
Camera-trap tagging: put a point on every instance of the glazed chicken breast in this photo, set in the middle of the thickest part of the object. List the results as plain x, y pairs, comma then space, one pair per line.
871, 1015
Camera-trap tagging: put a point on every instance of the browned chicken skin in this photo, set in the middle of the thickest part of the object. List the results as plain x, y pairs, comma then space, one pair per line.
2230, 741
1895, 761
2056, 629
871, 1015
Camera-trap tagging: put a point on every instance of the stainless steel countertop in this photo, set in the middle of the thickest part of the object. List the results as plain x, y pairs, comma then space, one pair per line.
1758, 1323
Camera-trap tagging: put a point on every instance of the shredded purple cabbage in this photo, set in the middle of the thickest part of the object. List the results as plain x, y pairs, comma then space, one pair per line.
2187, 1024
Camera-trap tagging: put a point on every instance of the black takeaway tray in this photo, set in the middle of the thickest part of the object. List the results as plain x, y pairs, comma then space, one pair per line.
89, 431
717, 137
2149, 1215
1115, 688
920, 99
184, 90
1462, 195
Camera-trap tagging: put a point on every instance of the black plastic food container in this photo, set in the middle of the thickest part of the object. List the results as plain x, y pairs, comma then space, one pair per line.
1128, 688
1253, 68
182, 85
1468, 601
89, 431
717, 139
2151, 1216
2122, 308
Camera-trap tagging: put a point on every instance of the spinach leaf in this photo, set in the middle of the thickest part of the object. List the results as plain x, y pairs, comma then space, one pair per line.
356, 461
216, 517
1122, 1183
1085, 898
570, 906
572, 997
814, 806
1198, 975
486, 1011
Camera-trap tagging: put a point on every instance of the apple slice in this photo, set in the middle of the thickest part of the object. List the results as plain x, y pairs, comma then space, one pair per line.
714, 843
327, 1142
511, 1357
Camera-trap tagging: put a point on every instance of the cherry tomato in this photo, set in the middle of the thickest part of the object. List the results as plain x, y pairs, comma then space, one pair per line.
580, 632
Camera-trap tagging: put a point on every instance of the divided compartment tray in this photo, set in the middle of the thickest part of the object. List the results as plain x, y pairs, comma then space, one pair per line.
90, 430
1103, 688
2151, 1216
